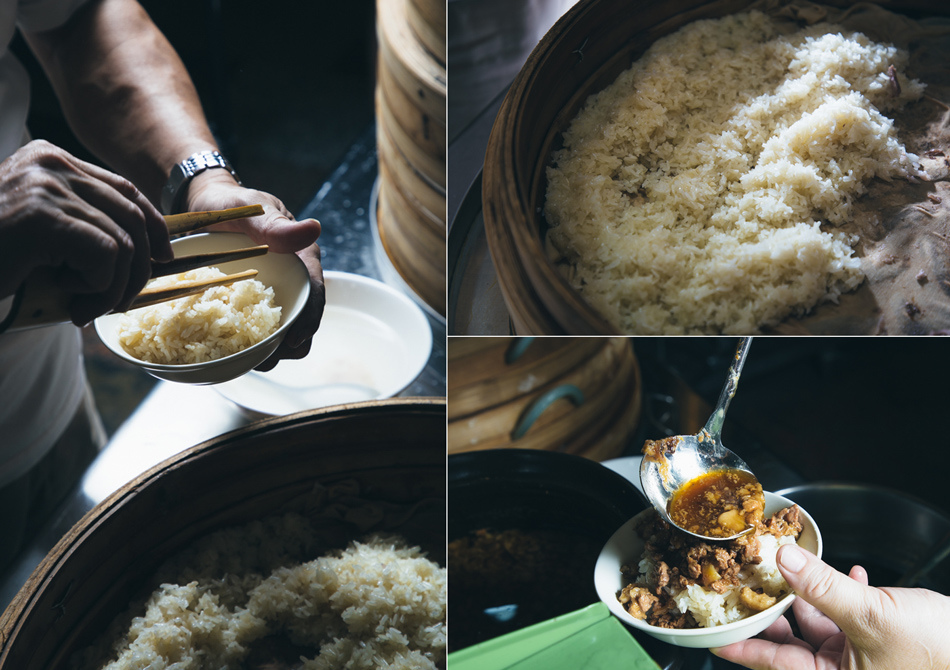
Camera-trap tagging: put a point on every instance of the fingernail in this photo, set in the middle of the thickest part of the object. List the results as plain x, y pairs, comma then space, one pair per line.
792, 558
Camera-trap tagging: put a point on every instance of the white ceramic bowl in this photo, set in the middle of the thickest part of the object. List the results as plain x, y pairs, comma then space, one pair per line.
626, 547
286, 273
372, 343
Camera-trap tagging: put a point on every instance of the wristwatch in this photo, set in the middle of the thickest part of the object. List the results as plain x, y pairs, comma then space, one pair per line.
185, 171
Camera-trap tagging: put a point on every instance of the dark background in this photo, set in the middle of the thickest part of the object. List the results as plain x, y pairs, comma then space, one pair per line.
287, 87
873, 410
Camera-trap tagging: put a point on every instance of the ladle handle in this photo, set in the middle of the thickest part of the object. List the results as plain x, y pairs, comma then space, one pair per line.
718, 417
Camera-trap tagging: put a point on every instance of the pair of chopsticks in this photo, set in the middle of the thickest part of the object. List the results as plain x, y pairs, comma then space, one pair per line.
179, 224
40, 301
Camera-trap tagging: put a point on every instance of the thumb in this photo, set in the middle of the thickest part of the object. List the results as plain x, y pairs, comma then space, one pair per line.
847, 602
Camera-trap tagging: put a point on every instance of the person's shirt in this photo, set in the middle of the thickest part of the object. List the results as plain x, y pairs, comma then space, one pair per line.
41, 373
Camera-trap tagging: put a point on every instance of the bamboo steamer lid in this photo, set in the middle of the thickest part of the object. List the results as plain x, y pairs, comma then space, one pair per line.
581, 54
473, 387
394, 450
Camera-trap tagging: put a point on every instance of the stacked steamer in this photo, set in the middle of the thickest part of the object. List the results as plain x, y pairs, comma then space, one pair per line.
410, 137
574, 395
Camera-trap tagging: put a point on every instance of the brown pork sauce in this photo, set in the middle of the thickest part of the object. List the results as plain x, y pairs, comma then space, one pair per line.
721, 503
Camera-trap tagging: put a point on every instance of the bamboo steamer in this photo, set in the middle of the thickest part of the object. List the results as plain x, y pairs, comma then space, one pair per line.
471, 390
394, 449
496, 423
411, 143
428, 21
581, 54
424, 272
590, 408
429, 195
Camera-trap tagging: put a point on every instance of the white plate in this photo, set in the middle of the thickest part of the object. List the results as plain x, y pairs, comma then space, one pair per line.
372, 343
625, 547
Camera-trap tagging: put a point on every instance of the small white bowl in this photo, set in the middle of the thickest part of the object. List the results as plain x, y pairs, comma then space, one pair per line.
372, 343
625, 548
286, 273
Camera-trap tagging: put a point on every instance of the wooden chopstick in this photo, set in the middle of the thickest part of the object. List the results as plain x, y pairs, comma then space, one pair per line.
154, 296
186, 263
190, 221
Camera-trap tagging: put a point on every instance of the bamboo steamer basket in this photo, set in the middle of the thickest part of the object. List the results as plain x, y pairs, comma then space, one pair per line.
428, 20
407, 178
479, 382
496, 423
590, 409
394, 449
424, 272
411, 143
582, 53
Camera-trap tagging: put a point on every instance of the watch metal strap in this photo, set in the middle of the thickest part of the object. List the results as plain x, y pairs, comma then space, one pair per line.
185, 171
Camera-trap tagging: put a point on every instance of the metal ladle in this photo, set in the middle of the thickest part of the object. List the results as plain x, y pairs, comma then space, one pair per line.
682, 458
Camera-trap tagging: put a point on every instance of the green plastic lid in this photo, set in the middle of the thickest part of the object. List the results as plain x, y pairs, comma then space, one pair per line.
588, 639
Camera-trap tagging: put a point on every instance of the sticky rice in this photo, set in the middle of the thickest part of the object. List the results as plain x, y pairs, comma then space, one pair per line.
703, 190
217, 323
378, 603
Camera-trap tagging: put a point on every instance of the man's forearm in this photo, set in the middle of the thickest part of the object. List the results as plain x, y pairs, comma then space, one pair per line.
124, 91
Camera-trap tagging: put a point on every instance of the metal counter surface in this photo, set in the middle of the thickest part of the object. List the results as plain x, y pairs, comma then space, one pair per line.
174, 417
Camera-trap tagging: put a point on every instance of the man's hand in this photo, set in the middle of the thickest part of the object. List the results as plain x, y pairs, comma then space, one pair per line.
276, 227
847, 625
93, 226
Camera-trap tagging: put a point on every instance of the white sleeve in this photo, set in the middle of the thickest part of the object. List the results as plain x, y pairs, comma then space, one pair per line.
36, 15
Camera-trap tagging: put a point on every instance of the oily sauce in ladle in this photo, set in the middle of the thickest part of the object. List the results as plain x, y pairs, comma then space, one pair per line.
721, 503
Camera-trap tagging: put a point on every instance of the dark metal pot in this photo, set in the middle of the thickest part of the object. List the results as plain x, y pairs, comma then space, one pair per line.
525, 528
529, 488
885, 531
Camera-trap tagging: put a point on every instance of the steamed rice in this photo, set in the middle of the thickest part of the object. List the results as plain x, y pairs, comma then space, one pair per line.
378, 603
710, 608
217, 323
700, 192
681, 581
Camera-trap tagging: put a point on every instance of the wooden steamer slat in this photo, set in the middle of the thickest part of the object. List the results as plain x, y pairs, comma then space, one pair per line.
424, 275
411, 141
427, 19
519, 379
407, 178
588, 376
576, 430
